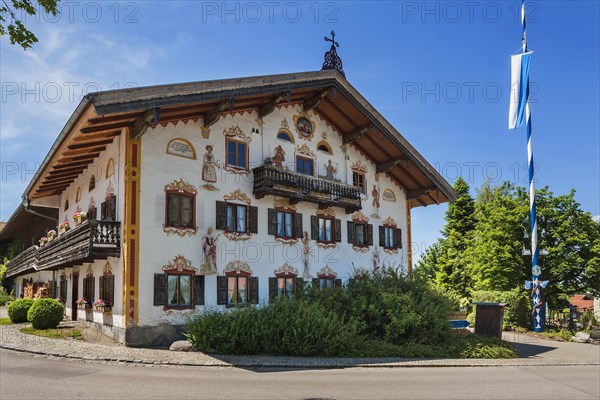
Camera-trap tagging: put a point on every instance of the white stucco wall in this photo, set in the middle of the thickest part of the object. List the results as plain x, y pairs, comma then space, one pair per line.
262, 252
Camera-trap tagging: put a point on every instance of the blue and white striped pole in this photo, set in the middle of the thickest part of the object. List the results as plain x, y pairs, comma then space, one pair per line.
520, 113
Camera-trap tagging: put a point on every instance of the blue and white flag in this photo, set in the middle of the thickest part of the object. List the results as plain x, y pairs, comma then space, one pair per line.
519, 91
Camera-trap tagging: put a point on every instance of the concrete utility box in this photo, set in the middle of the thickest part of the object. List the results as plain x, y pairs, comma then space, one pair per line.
489, 318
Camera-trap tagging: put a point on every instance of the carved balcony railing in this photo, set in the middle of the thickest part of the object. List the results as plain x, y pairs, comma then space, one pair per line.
27, 261
89, 241
269, 180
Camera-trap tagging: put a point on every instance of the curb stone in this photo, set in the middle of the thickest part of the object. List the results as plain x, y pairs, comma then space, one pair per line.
12, 339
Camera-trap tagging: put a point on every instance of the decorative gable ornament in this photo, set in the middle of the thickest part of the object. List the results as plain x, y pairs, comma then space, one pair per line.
181, 186
286, 269
326, 271
359, 166
237, 266
305, 150
237, 194
179, 264
332, 60
237, 132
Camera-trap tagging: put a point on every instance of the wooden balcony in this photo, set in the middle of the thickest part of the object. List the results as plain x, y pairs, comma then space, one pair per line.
25, 262
89, 241
269, 180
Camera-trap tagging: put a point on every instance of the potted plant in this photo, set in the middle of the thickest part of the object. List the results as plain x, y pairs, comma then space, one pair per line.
268, 161
83, 303
79, 217
102, 306
51, 234
62, 228
43, 241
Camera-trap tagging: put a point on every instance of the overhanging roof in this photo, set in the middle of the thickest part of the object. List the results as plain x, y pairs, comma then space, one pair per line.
102, 116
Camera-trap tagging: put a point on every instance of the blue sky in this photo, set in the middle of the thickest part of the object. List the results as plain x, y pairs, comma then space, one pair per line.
438, 71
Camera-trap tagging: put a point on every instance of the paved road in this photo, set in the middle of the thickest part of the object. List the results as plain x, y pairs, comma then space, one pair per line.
23, 376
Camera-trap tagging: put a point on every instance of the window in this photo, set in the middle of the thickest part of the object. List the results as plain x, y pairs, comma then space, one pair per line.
304, 166
326, 282
110, 168
237, 289
284, 224
285, 136
78, 195
236, 218
66, 204
92, 183
181, 210
390, 237
178, 290
284, 285
358, 180
89, 288
324, 147
326, 229
360, 233
107, 289
237, 154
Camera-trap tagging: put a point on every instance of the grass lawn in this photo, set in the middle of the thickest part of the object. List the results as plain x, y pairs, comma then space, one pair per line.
58, 333
5, 321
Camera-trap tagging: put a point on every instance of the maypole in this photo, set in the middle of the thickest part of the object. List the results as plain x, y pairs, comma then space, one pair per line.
520, 113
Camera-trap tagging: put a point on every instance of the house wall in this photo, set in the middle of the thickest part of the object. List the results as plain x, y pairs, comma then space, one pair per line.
261, 251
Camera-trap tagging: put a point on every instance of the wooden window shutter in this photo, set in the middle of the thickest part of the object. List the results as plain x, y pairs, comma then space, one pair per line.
314, 227
398, 238
253, 290
103, 211
253, 219
221, 223
337, 230
112, 208
222, 290
299, 290
272, 221
337, 283
382, 236
101, 286
199, 290
272, 289
370, 234
92, 288
298, 225
109, 286
350, 232
160, 289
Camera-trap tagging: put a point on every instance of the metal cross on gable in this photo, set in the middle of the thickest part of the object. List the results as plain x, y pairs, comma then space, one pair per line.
332, 40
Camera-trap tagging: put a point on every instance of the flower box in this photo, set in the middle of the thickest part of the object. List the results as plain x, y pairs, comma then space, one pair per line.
79, 217
103, 309
84, 306
62, 228
51, 234
43, 241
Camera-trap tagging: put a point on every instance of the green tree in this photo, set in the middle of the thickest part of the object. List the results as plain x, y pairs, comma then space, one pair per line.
425, 270
495, 254
452, 270
14, 12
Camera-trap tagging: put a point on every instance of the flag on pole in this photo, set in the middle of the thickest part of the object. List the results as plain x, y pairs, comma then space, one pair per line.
519, 89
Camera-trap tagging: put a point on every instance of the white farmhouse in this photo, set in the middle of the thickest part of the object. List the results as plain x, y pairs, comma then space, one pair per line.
219, 193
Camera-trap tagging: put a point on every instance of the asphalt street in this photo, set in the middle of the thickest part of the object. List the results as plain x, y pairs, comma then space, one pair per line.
23, 376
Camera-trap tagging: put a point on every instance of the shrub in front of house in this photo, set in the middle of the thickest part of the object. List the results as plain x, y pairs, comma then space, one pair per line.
17, 310
45, 313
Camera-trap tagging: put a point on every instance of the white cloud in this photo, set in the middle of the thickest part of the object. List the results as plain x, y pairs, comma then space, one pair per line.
596, 218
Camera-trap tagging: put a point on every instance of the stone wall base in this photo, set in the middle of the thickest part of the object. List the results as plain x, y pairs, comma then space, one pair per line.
153, 336
115, 332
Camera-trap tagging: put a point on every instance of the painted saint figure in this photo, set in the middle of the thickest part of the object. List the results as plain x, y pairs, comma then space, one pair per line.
209, 249
306, 251
209, 166
375, 194
279, 157
331, 170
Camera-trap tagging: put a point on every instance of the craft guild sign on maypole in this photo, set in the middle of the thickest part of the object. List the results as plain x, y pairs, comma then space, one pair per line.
520, 114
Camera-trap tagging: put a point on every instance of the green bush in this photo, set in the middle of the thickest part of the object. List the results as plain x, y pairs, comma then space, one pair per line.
17, 310
476, 346
45, 313
5, 298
